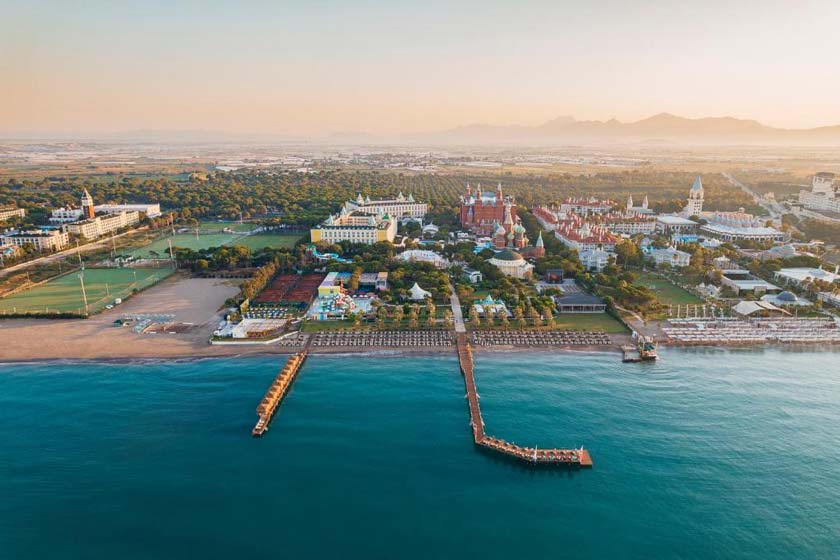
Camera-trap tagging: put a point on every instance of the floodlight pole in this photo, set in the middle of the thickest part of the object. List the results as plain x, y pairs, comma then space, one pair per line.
84, 294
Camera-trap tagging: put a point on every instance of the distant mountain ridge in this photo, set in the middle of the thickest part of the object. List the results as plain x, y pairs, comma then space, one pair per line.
663, 127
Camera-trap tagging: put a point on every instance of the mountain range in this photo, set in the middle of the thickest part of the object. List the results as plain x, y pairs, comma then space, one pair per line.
662, 128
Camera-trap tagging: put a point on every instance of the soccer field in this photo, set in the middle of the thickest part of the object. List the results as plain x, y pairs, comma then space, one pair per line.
273, 240
64, 294
160, 248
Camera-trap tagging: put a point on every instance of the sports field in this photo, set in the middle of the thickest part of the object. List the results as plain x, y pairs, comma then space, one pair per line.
64, 294
160, 248
666, 292
273, 240
207, 226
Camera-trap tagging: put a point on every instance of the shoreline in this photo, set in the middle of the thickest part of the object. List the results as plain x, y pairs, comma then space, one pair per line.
395, 352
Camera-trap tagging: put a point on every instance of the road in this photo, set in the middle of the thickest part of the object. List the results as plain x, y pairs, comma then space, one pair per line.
67, 252
773, 208
457, 316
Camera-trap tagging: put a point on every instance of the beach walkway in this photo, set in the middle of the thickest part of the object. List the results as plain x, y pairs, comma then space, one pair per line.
532, 455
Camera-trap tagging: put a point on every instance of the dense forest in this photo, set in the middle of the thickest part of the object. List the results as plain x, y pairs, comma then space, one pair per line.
305, 199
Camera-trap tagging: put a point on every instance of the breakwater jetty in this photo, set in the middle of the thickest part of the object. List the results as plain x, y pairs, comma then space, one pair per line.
278, 389
559, 457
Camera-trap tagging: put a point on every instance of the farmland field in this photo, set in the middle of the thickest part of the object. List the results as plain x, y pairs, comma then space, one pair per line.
64, 293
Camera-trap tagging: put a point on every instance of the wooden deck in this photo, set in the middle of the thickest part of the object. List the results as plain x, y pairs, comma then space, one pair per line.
278, 389
532, 455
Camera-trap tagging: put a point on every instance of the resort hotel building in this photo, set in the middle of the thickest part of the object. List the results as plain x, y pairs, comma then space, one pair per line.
586, 206
50, 240
7, 212
355, 226
823, 195
98, 226
402, 208
481, 213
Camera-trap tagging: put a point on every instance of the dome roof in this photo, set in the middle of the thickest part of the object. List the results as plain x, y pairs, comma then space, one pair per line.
786, 296
508, 255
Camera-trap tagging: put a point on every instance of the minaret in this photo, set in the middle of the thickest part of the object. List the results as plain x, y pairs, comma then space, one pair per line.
630, 203
87, 206
499, 197
645, 203
469, 190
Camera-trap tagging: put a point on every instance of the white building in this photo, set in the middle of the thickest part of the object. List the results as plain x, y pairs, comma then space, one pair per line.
98, 226
7, 212
802, 275
149, 210
695, 199
355, 226
402, 208
642, 210
674, 224
823, 195
672, 256
735, 233
65, 215
53, 240
512, 264
420, 255
594, 260
586, 206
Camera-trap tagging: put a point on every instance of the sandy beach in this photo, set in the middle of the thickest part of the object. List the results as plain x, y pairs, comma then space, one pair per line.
197, 302
191, 300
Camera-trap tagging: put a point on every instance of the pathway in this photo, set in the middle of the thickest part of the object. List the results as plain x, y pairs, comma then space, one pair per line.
457, 316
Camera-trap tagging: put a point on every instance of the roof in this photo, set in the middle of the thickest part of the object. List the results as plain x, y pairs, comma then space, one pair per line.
580, 298
750, 307
508, 255
698, 184
675, 221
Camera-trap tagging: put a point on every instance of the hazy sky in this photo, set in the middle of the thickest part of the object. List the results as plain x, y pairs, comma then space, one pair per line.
314, 67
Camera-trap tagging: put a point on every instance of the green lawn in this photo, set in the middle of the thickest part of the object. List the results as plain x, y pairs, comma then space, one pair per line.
273, 240
187, 241
208, 226
64, 294
666, 292
588, 322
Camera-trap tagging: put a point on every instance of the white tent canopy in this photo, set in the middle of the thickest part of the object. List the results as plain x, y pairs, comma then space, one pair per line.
418, 294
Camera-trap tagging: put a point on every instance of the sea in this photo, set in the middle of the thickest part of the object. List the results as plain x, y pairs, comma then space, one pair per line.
707, 454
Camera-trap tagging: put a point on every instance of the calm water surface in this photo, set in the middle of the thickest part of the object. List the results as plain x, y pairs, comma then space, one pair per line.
707, 454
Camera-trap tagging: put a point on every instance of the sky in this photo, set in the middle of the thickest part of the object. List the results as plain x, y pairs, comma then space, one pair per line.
316, 67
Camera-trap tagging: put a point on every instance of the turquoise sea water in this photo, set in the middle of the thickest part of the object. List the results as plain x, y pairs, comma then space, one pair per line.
707, 454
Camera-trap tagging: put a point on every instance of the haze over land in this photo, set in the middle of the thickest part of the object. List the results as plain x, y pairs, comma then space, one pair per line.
422, 72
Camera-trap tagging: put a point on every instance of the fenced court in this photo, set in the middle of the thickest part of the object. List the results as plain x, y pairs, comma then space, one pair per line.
64, 293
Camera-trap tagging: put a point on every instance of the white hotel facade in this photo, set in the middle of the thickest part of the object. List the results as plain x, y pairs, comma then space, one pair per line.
402, 208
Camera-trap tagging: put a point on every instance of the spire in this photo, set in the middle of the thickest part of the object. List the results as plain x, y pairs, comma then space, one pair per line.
645, 202
499, 192
359, 199
508, 218
630, 202
539, 240
698, 185
469, 189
